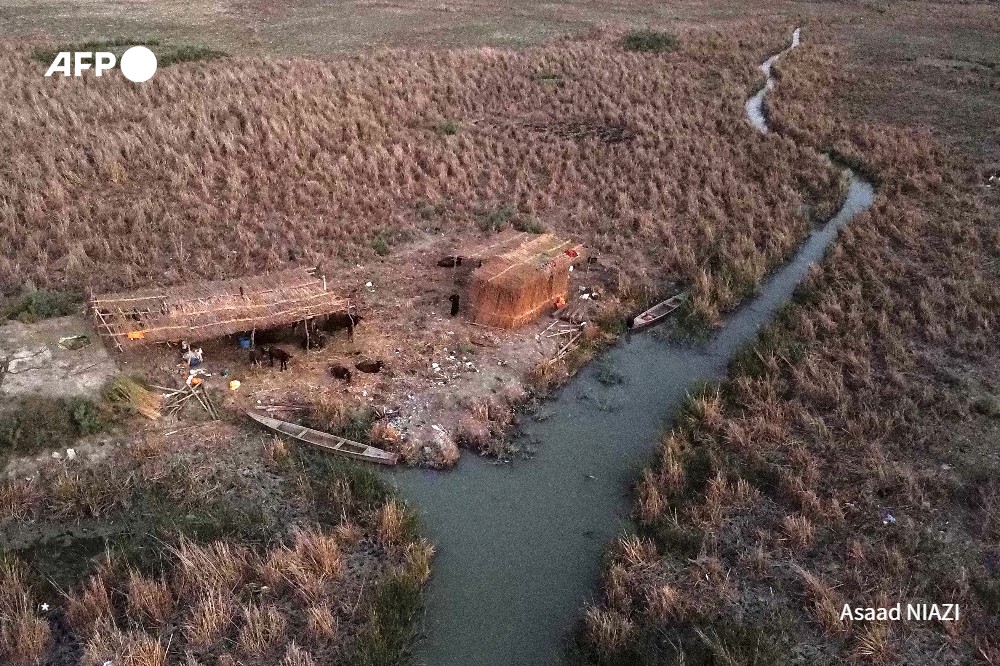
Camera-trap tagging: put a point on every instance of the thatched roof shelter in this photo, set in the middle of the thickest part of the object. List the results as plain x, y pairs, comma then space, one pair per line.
521, 277
206, 310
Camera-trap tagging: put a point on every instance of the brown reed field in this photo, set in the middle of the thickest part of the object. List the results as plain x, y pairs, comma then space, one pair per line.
850, 455
241, 165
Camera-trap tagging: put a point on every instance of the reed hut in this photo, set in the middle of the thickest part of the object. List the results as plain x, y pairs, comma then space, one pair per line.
206, 310
522, 276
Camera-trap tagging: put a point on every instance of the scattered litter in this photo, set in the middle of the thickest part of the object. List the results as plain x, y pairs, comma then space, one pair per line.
193, 357
195, 377
889, 519
233, 385
74, 342
56, 455
70, 454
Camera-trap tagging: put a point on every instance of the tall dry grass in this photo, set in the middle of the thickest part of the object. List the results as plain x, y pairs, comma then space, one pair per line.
255, 164
849, 425
25, 636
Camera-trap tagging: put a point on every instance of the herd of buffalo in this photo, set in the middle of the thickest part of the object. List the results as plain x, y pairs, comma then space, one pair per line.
312, 334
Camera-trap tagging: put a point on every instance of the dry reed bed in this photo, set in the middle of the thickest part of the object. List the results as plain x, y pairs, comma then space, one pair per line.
769, 504
240, 165
306, 595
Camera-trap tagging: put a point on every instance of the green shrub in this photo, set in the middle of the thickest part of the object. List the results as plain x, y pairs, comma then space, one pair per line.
384, 240
529, 225
394, 609
381, 246
88, 417
40, 304
428, 210
612, 321
497, 220
358, 425
166, 54
179, 54
649, 41
116, 46
33, 424
448, 128
544, 75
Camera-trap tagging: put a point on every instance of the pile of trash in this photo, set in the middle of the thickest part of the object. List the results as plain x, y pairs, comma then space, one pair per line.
452, 366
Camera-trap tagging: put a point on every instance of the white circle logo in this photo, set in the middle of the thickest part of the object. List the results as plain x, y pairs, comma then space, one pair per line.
138, 64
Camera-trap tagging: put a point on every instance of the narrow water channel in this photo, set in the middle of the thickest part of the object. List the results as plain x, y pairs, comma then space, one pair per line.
519, 545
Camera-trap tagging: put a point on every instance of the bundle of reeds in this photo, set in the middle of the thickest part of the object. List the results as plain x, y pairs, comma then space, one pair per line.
512, 289
137, 396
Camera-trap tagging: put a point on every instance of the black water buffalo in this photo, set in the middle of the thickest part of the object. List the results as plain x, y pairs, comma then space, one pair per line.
341, 321
341, 372
369, 365
277, 353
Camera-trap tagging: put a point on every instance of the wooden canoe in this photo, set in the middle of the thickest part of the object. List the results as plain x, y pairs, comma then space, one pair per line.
327, 441
658, 312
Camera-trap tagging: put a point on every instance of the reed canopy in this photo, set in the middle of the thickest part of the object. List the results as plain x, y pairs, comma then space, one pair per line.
206, 310
521, 277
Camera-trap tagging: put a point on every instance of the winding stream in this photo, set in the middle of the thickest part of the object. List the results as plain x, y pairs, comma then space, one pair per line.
519, 545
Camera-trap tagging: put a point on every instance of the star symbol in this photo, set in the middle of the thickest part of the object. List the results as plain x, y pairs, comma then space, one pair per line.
45, 608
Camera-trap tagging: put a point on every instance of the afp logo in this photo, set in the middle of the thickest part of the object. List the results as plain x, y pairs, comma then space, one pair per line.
138, 63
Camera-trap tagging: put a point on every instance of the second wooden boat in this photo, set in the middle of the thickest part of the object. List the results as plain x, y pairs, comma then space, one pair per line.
325, 440
658, 312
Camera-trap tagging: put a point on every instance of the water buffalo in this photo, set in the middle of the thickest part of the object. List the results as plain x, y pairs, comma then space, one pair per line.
277, 353
340, 321
341, 372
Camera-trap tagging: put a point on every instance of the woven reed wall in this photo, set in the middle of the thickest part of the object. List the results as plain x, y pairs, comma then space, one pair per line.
520, 295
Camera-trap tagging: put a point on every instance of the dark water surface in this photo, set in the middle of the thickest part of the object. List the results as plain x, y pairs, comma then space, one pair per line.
520, 545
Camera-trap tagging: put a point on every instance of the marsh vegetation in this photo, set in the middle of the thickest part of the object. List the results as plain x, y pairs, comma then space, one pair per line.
149, 555
268, 146
841, 461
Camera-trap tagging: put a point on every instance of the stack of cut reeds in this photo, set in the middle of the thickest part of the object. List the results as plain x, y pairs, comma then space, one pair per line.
516, 287
138, 397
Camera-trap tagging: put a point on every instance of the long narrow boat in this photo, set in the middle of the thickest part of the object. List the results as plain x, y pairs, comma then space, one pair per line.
327, 441
658, 312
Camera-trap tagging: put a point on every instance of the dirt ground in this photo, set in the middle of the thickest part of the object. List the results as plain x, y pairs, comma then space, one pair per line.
442, 375
33, 362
